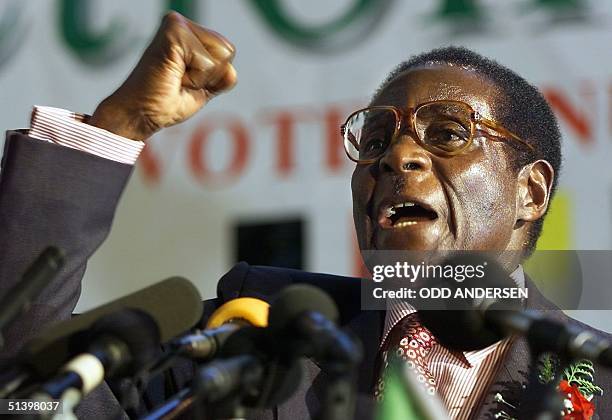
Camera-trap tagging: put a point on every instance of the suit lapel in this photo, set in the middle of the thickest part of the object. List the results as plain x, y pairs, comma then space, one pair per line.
367, 327
507, 381
514, 371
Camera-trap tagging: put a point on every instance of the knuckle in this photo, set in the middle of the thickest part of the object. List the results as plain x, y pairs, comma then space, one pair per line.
173, 22
230, 46
207, 62
171, 31
172, 17
228, 53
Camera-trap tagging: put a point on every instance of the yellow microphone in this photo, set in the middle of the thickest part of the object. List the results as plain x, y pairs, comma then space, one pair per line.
204, 344
242, 311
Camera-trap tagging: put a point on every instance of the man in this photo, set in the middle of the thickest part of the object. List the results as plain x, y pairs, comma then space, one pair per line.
479, 179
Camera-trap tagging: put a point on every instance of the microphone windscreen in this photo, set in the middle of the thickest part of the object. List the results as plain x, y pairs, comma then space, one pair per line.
462, 325
298, 299
282, 376
175, 305
134, 328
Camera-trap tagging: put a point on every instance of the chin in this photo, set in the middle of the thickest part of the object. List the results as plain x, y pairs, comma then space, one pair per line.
410, 238
407, 246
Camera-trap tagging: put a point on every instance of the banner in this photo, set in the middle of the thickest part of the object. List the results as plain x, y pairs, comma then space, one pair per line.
270, 150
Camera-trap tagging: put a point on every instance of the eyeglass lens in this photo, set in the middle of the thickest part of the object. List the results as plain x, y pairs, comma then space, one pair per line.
443, 127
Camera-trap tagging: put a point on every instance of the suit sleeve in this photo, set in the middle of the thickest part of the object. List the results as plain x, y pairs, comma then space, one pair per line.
52, 195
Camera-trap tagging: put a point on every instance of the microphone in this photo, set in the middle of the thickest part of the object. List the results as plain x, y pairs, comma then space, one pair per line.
203, 345
174, 305
549, 335
306, 317
482, 323
118, 345
301, 324
258, 366
37, 276
247, 310
224, 321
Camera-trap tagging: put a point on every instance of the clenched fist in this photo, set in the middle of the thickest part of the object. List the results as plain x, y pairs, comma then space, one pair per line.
184, 66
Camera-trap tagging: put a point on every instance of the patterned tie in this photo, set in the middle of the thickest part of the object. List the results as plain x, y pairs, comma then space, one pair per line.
411, 342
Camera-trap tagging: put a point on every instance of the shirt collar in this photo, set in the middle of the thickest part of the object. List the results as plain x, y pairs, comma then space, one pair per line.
397, 310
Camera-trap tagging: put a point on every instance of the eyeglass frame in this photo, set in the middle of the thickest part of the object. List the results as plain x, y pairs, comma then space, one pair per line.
475, 118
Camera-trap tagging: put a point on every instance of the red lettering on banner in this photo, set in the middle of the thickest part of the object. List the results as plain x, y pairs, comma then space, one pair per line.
578, 121
197, 152
285, 136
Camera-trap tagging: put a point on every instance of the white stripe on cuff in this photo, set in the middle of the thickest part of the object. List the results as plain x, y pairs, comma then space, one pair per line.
67, 128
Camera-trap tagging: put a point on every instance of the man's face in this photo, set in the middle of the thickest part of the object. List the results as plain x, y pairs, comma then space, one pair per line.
466, 202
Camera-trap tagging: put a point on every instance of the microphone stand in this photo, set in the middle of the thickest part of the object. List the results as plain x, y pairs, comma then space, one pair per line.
339, 397
260, 367
173, 407
20, 297
218, 390
223, 385
225, 388
340, 354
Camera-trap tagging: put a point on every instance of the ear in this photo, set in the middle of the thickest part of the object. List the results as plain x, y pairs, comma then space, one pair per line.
533, 193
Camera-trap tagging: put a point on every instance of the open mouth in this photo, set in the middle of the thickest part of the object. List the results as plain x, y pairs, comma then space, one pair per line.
404, 214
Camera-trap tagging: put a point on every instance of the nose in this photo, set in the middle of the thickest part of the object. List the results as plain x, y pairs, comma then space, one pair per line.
403, 155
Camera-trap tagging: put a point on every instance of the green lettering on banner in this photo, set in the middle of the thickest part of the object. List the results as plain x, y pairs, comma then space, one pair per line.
559, 4
459, 8
463, 16
10, 31
560, 11
352, 26
92, 47
187, 8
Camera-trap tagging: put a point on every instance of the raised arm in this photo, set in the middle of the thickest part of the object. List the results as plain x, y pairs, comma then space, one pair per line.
60, 182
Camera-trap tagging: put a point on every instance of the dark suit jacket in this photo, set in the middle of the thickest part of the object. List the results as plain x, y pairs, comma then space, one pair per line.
52, 195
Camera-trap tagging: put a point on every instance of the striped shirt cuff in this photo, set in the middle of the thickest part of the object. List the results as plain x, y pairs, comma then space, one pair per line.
69, 129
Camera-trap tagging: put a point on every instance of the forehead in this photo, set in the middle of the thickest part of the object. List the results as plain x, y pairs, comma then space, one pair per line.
441, 82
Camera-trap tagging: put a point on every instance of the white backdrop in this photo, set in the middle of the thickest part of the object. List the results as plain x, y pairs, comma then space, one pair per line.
174, 218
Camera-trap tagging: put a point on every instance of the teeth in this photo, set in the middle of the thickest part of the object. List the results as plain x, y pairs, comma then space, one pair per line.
391, 210
406, 204
404, 224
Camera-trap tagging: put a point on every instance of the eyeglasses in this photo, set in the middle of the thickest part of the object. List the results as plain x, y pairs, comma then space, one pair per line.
445, 128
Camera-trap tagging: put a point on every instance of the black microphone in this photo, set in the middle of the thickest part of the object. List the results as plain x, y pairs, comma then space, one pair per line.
203, 345
118, 345
549, 335
260, 365
301, 324
305, 317
174, 304
481, 323
36, 277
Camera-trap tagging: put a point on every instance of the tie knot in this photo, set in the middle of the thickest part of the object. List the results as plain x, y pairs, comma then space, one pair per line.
410, 333
409, 341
